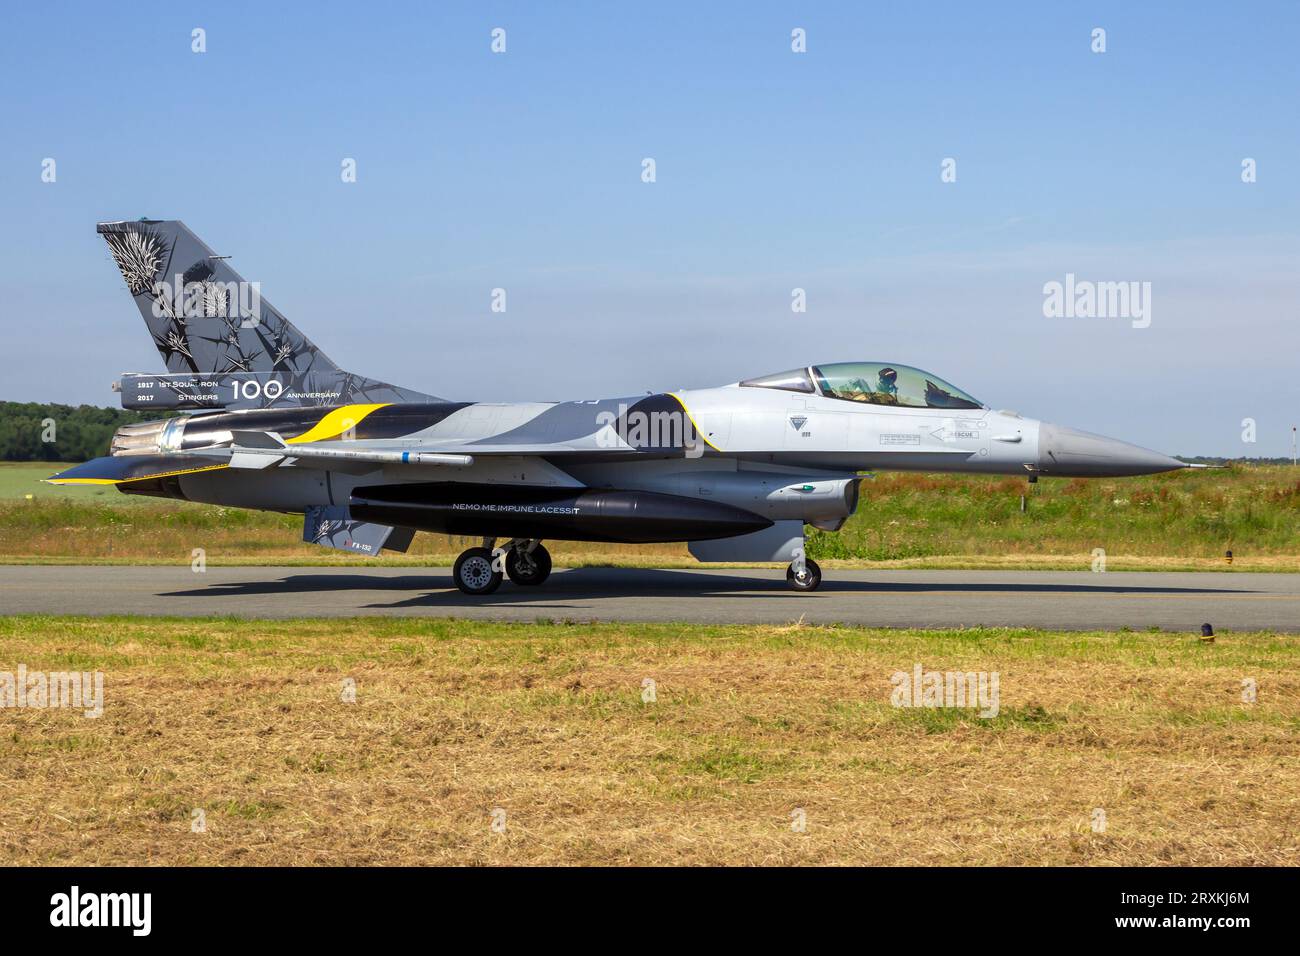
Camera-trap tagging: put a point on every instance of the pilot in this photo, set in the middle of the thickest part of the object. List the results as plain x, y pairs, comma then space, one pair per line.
887, 387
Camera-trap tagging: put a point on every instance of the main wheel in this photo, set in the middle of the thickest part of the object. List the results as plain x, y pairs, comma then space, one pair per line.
810, 580
528, 568
474, 573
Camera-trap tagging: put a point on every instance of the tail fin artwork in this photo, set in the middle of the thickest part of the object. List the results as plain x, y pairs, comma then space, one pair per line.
224, 345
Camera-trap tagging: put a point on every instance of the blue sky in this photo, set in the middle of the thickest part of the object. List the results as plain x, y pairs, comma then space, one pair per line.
775, 170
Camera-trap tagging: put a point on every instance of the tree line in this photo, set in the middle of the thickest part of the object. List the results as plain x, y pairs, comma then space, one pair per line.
30, 431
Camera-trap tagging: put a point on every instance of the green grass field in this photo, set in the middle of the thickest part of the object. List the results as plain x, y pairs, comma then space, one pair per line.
403, 741
20, 479
1185, 520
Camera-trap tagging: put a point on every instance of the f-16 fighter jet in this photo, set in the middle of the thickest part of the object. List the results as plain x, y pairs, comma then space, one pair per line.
737, 471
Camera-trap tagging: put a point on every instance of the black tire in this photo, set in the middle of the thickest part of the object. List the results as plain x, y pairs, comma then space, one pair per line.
474, 573
812, 576
528, 570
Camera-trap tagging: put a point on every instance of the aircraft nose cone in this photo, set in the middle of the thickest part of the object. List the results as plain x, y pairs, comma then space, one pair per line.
1071, 453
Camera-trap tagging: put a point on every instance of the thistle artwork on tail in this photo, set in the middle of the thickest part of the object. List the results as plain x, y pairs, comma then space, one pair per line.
224, 345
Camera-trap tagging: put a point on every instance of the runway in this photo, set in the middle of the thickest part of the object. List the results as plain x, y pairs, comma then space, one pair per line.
1048, 599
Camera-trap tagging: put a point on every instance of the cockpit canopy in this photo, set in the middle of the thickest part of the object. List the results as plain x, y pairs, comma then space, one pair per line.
875, 383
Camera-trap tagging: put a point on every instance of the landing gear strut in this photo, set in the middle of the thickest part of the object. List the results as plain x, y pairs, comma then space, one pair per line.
480, 571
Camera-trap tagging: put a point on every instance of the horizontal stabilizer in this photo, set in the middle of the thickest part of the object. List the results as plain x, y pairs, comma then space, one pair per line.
119, 469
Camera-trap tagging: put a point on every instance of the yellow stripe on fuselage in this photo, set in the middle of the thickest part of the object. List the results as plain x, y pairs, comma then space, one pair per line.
698, 430
336, 423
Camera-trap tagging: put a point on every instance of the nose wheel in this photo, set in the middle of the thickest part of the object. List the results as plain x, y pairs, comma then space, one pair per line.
807, 578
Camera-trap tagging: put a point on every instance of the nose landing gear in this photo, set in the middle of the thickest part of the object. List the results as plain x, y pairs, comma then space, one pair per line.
479, 571
803, 573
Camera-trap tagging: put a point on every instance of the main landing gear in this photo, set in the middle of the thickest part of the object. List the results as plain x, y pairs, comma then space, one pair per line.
481, 570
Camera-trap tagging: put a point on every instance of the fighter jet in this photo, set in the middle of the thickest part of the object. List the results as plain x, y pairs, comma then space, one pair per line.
263, 419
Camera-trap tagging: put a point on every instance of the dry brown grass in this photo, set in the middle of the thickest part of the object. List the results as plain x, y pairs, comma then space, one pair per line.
546, 721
